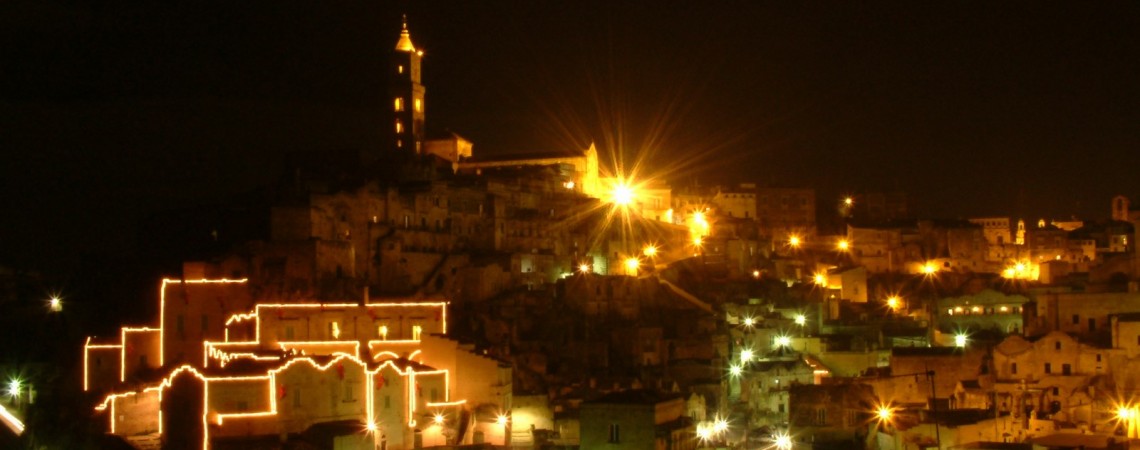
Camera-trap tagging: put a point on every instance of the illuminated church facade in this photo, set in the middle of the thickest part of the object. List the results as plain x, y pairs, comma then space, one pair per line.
218, 370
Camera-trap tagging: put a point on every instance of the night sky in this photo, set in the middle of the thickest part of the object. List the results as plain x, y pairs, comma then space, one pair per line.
112, 111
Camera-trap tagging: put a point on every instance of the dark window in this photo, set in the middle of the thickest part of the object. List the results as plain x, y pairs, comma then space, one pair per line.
1066, 369
1092, 324
1076, 319
1056, 391
1048, 368
1098, 357
615, 433
1013, 368
1057, 345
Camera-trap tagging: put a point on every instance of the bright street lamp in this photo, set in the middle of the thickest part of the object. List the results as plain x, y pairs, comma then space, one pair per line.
960, 340
55, 304
843, 245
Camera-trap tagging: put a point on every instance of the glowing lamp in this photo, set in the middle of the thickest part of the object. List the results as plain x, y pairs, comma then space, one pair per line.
14, 387
735, 370
371, 427
782, 441
650, 251
820, 279
745, 355
755, 274
960, 340
439, 419
893, 302
748, 321
929, 268
584, 268
631, 264
704, 433
848, 201
720, 425
502, 420
55, 304
622, 195
794, 241
783, 341
801, 319
1123, 413
884, 413
843, 245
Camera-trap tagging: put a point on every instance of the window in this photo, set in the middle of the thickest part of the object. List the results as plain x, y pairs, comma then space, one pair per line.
1013, 368
1056, 391
382, 331
821, 416
1076, 319
296, 397
400, 69
416, 330
1057, 345
615, 433
142, 360
1066, 369
399, 127
1098, 357
399, 104
1048, 368
387, 402
289, 333
419, 105
780, 408
434, 395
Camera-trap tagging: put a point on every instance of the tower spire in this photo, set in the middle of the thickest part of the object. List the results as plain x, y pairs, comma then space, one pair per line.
405, 42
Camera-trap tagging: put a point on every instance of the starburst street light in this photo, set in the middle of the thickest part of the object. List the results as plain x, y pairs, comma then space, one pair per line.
622, 194
55, 304
782, 441
848, 201
794, 241
631, 265
893, 302
745, 355
650, 251
820, 279
843, 245
929, 268
735, 370
801, 319
960, 340
15, 385
584, 268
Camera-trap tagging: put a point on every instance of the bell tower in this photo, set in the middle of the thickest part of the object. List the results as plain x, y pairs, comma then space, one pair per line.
406, 96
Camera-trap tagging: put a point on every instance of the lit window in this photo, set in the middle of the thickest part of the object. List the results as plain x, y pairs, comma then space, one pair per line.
399, 104
399, 127
383, 332
400, 69
419, 105
416, 331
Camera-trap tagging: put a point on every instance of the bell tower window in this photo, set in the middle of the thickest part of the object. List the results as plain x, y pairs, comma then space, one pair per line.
419, 105
399, 104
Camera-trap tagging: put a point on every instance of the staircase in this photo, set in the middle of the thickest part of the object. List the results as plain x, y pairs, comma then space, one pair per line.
152, 441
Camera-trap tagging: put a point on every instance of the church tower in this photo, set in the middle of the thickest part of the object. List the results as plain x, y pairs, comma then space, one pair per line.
406, 96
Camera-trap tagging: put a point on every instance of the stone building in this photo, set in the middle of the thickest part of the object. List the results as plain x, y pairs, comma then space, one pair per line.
637, 419
244, 372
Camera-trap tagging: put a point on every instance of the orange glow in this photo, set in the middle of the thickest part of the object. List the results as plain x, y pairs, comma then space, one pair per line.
929, 268
820, 279
843, 245
650, 251
794, 241
893, 302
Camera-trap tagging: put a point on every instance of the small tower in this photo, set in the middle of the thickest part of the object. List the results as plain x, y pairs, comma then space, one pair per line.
406, 95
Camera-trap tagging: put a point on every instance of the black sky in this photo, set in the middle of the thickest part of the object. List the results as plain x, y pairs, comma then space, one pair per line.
110, 111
